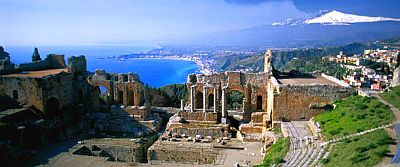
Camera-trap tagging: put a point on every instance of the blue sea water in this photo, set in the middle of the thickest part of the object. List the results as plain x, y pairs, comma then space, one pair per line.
155, 72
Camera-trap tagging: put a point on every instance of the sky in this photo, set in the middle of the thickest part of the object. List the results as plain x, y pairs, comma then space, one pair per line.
141, 22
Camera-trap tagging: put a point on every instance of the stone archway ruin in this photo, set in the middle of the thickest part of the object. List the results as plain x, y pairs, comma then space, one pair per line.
52, 107
125, 89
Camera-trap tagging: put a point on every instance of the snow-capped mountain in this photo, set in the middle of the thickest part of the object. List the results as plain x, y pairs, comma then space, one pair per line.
333, 17
314, 31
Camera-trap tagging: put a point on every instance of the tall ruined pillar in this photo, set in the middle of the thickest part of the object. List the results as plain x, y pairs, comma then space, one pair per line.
116, 96
110, 98
182, 107
125, 98
215, 98
267, 62
246, 112
224, 112
192, 98
204, 98
136, 99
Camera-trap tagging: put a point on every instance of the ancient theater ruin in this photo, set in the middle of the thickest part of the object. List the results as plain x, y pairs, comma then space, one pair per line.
225, 109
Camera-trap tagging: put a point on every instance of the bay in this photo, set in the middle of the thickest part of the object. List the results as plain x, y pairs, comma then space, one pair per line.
155, 72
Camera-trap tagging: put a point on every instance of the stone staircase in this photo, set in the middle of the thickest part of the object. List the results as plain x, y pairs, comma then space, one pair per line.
302, 151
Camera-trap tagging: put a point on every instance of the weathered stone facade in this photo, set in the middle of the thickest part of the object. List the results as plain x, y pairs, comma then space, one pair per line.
302, 102
266, 99
49, 91
124, 89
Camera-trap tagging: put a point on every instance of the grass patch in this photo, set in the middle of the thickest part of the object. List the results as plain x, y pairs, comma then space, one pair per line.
366, 150
392, 96
352, 115
276, 153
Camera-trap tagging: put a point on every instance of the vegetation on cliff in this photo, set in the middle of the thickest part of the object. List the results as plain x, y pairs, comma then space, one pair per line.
306, 65
167, 96
36, 55
281, 58
353, 115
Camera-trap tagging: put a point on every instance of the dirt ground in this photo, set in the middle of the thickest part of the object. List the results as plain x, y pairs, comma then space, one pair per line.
64, 158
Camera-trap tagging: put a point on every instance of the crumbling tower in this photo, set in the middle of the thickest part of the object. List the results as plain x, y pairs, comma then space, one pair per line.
267, 62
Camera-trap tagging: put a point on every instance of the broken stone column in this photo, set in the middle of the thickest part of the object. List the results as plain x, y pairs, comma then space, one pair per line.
111, 94
182, 107
192, 98
204, 98
224, 112
215, 98
125, 98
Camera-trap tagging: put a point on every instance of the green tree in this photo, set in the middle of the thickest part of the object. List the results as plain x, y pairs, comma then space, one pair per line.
36, 55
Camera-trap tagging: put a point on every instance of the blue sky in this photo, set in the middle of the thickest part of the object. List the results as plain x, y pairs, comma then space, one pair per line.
135, 22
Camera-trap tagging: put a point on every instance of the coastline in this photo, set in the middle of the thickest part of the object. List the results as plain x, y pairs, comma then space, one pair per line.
202, 68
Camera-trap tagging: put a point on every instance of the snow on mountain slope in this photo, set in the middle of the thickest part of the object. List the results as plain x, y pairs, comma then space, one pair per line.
339, 18
333, 17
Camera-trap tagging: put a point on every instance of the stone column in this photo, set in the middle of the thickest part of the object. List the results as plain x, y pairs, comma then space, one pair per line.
110, 98
224, 112
215, 98
204, 98
125, 94
192, 98
182, 107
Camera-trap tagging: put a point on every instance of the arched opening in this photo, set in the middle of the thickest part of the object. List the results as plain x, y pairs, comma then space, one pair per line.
199, 100
120, 97
235, 100
259, 103
103, 94
52, 107
131, 98
211, 101
15, 95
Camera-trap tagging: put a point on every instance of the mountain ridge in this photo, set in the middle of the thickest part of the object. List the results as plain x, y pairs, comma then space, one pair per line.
333, 17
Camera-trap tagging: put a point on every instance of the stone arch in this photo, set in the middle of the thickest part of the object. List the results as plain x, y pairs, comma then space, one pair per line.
210, 100
15, 94
120, 97
199, 100
131, 98
52, 107
104, 95
259, 103
235, 100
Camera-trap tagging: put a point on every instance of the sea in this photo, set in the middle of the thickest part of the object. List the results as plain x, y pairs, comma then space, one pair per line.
155, 72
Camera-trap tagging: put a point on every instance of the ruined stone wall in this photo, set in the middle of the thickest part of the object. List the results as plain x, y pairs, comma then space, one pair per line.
38, 91
294, 102
77, 64
200, 116
190, 154
252, 85
28, 90
60, 87
51, 61
124, 89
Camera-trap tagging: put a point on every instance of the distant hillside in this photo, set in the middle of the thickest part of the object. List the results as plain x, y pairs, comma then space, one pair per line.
327, 28
280, 58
